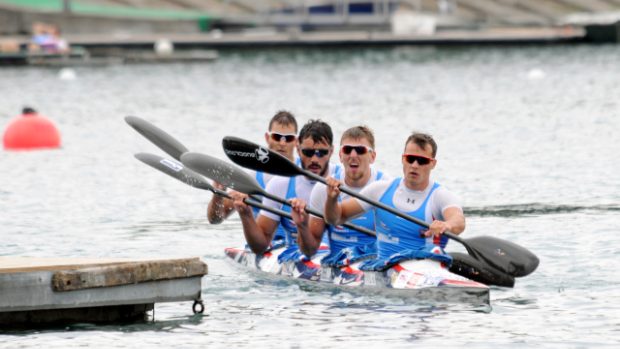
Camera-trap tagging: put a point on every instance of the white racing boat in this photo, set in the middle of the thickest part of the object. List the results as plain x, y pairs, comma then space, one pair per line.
425, 279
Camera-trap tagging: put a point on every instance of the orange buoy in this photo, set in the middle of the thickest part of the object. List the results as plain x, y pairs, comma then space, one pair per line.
31, 131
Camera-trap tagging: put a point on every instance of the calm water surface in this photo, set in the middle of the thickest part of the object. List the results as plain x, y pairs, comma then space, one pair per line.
528, 137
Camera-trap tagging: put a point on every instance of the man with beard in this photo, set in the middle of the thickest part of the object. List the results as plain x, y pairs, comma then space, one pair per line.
357, 153
281, 139
314, 146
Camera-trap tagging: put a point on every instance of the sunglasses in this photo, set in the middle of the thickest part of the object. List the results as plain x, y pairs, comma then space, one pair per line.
308, 152
359, 149
289, 137
422, 160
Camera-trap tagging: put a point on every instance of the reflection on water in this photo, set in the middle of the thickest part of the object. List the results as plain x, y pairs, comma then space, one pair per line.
527, 138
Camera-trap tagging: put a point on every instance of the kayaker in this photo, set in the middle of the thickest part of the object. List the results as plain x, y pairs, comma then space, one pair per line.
314, 147
280, 137
414, 194
357, 154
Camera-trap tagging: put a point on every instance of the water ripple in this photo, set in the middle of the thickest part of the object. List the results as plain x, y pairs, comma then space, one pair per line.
536, 209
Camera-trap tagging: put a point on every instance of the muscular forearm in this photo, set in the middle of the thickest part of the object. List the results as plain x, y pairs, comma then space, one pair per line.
254, 235
309, 237
304, 240
455, 220
218, 209
457, 224
333, 211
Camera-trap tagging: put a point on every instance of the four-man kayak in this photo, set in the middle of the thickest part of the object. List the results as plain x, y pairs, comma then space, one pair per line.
424, 279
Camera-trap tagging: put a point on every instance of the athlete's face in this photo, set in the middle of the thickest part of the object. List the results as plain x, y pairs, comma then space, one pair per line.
314, 155
356, 164
281, 138
416, 175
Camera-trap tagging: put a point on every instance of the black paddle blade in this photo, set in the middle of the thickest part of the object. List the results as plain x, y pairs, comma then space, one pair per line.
176, 170
506, 256
227, 174
160, 138
473, 269
258, 158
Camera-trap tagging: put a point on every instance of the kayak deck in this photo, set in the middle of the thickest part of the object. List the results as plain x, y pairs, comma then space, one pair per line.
423, 280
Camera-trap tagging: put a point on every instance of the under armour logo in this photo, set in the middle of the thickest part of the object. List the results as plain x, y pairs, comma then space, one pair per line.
262, 155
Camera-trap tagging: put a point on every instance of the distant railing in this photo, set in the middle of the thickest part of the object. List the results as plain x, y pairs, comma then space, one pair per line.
336, 12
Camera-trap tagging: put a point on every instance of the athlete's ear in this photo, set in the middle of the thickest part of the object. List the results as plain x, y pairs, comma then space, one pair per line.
373, 156
267, 137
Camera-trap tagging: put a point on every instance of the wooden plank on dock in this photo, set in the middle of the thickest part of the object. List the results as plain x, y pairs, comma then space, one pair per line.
126, 273
36, 290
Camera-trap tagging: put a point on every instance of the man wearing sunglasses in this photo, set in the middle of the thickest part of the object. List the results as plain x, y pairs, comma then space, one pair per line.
414, 194
280, 138
315, 149
357, 153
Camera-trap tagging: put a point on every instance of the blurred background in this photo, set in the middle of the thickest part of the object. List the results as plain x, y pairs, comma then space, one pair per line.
100, 25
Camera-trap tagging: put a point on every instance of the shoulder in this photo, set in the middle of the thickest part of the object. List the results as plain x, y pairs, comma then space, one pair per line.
379, 175
378, 186
446, 198
441, 190
277, 183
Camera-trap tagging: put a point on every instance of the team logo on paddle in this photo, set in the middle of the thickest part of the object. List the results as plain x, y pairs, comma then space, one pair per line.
262, 155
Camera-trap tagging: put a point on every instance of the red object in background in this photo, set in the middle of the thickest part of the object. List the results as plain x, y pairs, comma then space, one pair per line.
31, 131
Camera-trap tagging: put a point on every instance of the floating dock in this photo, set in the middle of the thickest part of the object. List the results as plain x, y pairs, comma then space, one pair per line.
53, 291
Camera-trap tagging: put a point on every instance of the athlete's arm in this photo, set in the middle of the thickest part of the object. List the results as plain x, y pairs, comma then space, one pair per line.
258, 232
448, 207
309, 228
219, 208
454, 222
338, 213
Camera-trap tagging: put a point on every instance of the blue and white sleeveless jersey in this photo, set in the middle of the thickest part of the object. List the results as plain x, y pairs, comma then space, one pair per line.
341, 237
263, 179
395, 234
288, 188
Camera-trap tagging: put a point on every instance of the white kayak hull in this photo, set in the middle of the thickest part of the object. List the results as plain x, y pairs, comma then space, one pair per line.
423, 280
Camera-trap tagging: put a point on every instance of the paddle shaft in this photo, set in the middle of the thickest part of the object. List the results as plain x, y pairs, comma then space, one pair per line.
316, 213
195, 180
377, 204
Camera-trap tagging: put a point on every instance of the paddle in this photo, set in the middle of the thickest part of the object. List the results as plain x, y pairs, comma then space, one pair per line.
176, 170
462, 264
505, 256
235, 178
156, 135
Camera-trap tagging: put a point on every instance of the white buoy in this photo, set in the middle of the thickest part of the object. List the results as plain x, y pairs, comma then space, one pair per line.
164, 47
67, 74
535, 74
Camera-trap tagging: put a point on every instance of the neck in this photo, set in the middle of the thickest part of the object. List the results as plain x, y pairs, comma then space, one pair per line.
417, 187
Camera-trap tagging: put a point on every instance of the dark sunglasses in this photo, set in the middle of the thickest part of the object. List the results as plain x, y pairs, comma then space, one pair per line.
308, 152
289, 137
359, 149
422, 160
